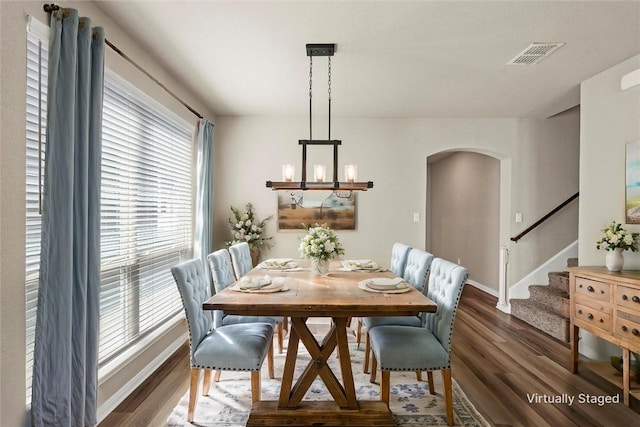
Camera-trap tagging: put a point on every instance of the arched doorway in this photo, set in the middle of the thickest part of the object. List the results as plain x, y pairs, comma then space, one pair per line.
463, 211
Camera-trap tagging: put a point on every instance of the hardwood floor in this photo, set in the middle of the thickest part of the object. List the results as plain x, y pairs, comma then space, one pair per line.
497, 360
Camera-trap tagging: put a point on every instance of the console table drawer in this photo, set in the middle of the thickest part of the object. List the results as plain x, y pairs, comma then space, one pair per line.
599, 305
592, 317
593, 289
628, 297
628, 327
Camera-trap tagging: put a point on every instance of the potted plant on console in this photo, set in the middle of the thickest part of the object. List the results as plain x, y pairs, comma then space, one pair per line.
614, 240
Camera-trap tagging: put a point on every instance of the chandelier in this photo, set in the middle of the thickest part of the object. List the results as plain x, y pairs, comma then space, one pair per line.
319, 181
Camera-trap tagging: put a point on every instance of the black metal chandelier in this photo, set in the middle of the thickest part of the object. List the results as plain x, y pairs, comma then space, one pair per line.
319, 171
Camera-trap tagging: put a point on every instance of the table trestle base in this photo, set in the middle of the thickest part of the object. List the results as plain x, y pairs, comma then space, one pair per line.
372, 413
292, 394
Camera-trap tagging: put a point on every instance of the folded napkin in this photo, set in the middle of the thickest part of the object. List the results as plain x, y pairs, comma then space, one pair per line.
384, 283
361, 264
253, 283
279, 263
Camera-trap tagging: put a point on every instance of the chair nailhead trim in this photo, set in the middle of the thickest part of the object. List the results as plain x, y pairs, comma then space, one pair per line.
217, 368
415, 369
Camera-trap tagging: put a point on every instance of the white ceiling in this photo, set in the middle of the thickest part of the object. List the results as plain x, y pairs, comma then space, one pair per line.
393, 58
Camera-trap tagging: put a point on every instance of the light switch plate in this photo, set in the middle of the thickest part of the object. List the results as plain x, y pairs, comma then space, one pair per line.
416, 217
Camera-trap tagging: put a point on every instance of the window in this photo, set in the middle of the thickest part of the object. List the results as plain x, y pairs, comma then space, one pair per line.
36, 101
146, 213
146, 208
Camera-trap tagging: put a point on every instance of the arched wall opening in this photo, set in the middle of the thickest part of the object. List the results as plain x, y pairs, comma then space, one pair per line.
466, 195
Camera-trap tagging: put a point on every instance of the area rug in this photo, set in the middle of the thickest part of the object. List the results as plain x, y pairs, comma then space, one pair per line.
229, 400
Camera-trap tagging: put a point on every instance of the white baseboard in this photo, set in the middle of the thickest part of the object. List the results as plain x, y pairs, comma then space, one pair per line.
483, 288
505, 308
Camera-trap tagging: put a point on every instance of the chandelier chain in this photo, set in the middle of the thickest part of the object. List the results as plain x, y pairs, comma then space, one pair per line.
310, 96
329, 90
310, 76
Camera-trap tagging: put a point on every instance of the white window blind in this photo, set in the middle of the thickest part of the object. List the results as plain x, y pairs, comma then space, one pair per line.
146, 208
145, 214
36, 104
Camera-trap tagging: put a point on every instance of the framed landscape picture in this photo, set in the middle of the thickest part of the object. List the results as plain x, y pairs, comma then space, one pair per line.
338, 211
632, 185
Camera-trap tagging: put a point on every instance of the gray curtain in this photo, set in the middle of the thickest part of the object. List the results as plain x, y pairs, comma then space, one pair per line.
65, 366
204, 194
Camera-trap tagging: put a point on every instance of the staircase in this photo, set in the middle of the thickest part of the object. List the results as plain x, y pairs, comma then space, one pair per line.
547, 307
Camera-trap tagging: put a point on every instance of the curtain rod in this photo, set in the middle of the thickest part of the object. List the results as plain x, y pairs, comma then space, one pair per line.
52, 7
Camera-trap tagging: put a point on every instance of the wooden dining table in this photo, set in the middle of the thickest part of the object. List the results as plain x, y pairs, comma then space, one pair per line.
336, 296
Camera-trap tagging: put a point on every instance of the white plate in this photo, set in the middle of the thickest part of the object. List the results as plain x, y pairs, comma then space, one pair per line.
385, 283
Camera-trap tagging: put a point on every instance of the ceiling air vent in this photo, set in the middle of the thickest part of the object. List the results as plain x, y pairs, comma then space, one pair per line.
534, 53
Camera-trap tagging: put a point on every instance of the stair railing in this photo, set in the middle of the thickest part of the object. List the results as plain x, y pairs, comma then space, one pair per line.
544, 218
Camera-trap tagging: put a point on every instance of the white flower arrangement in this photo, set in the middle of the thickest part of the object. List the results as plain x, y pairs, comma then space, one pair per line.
614, 236
245, 227
320, 243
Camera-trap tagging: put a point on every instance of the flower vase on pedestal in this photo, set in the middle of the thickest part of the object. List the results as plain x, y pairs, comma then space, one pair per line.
320, 267
614, 260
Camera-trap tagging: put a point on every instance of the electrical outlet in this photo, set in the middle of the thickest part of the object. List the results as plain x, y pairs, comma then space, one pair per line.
458, 261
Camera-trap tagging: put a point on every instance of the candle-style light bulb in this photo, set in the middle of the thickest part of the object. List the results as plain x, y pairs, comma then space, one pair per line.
350, 173
319, 172
288, 172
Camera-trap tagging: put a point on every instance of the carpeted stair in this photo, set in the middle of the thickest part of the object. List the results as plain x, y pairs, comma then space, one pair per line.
547, 307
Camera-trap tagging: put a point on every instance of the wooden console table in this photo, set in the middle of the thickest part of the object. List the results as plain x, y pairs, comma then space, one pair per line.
607, 305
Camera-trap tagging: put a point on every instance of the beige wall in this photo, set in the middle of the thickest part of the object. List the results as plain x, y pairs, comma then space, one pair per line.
464, 212
610, 119
12, 188
390, 152
393, 154
545, 174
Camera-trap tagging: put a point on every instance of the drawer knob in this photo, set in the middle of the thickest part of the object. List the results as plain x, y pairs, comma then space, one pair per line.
579, 311
590, 316
635, 332
624, 328
590, 288
635, 298
624, 297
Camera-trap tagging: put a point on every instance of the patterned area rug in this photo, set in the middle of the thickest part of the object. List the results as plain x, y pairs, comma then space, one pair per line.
229, 400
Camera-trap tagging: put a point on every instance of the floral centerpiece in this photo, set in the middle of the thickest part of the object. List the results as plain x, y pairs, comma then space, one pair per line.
245, 227
321, 244
614, 240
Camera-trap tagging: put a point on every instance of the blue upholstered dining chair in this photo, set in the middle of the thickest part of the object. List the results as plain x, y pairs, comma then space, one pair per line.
399, 253
241, 259
222, 274
225, 348
406, 348
415, 273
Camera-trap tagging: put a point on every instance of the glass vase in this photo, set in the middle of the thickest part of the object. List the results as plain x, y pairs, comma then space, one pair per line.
320, 267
